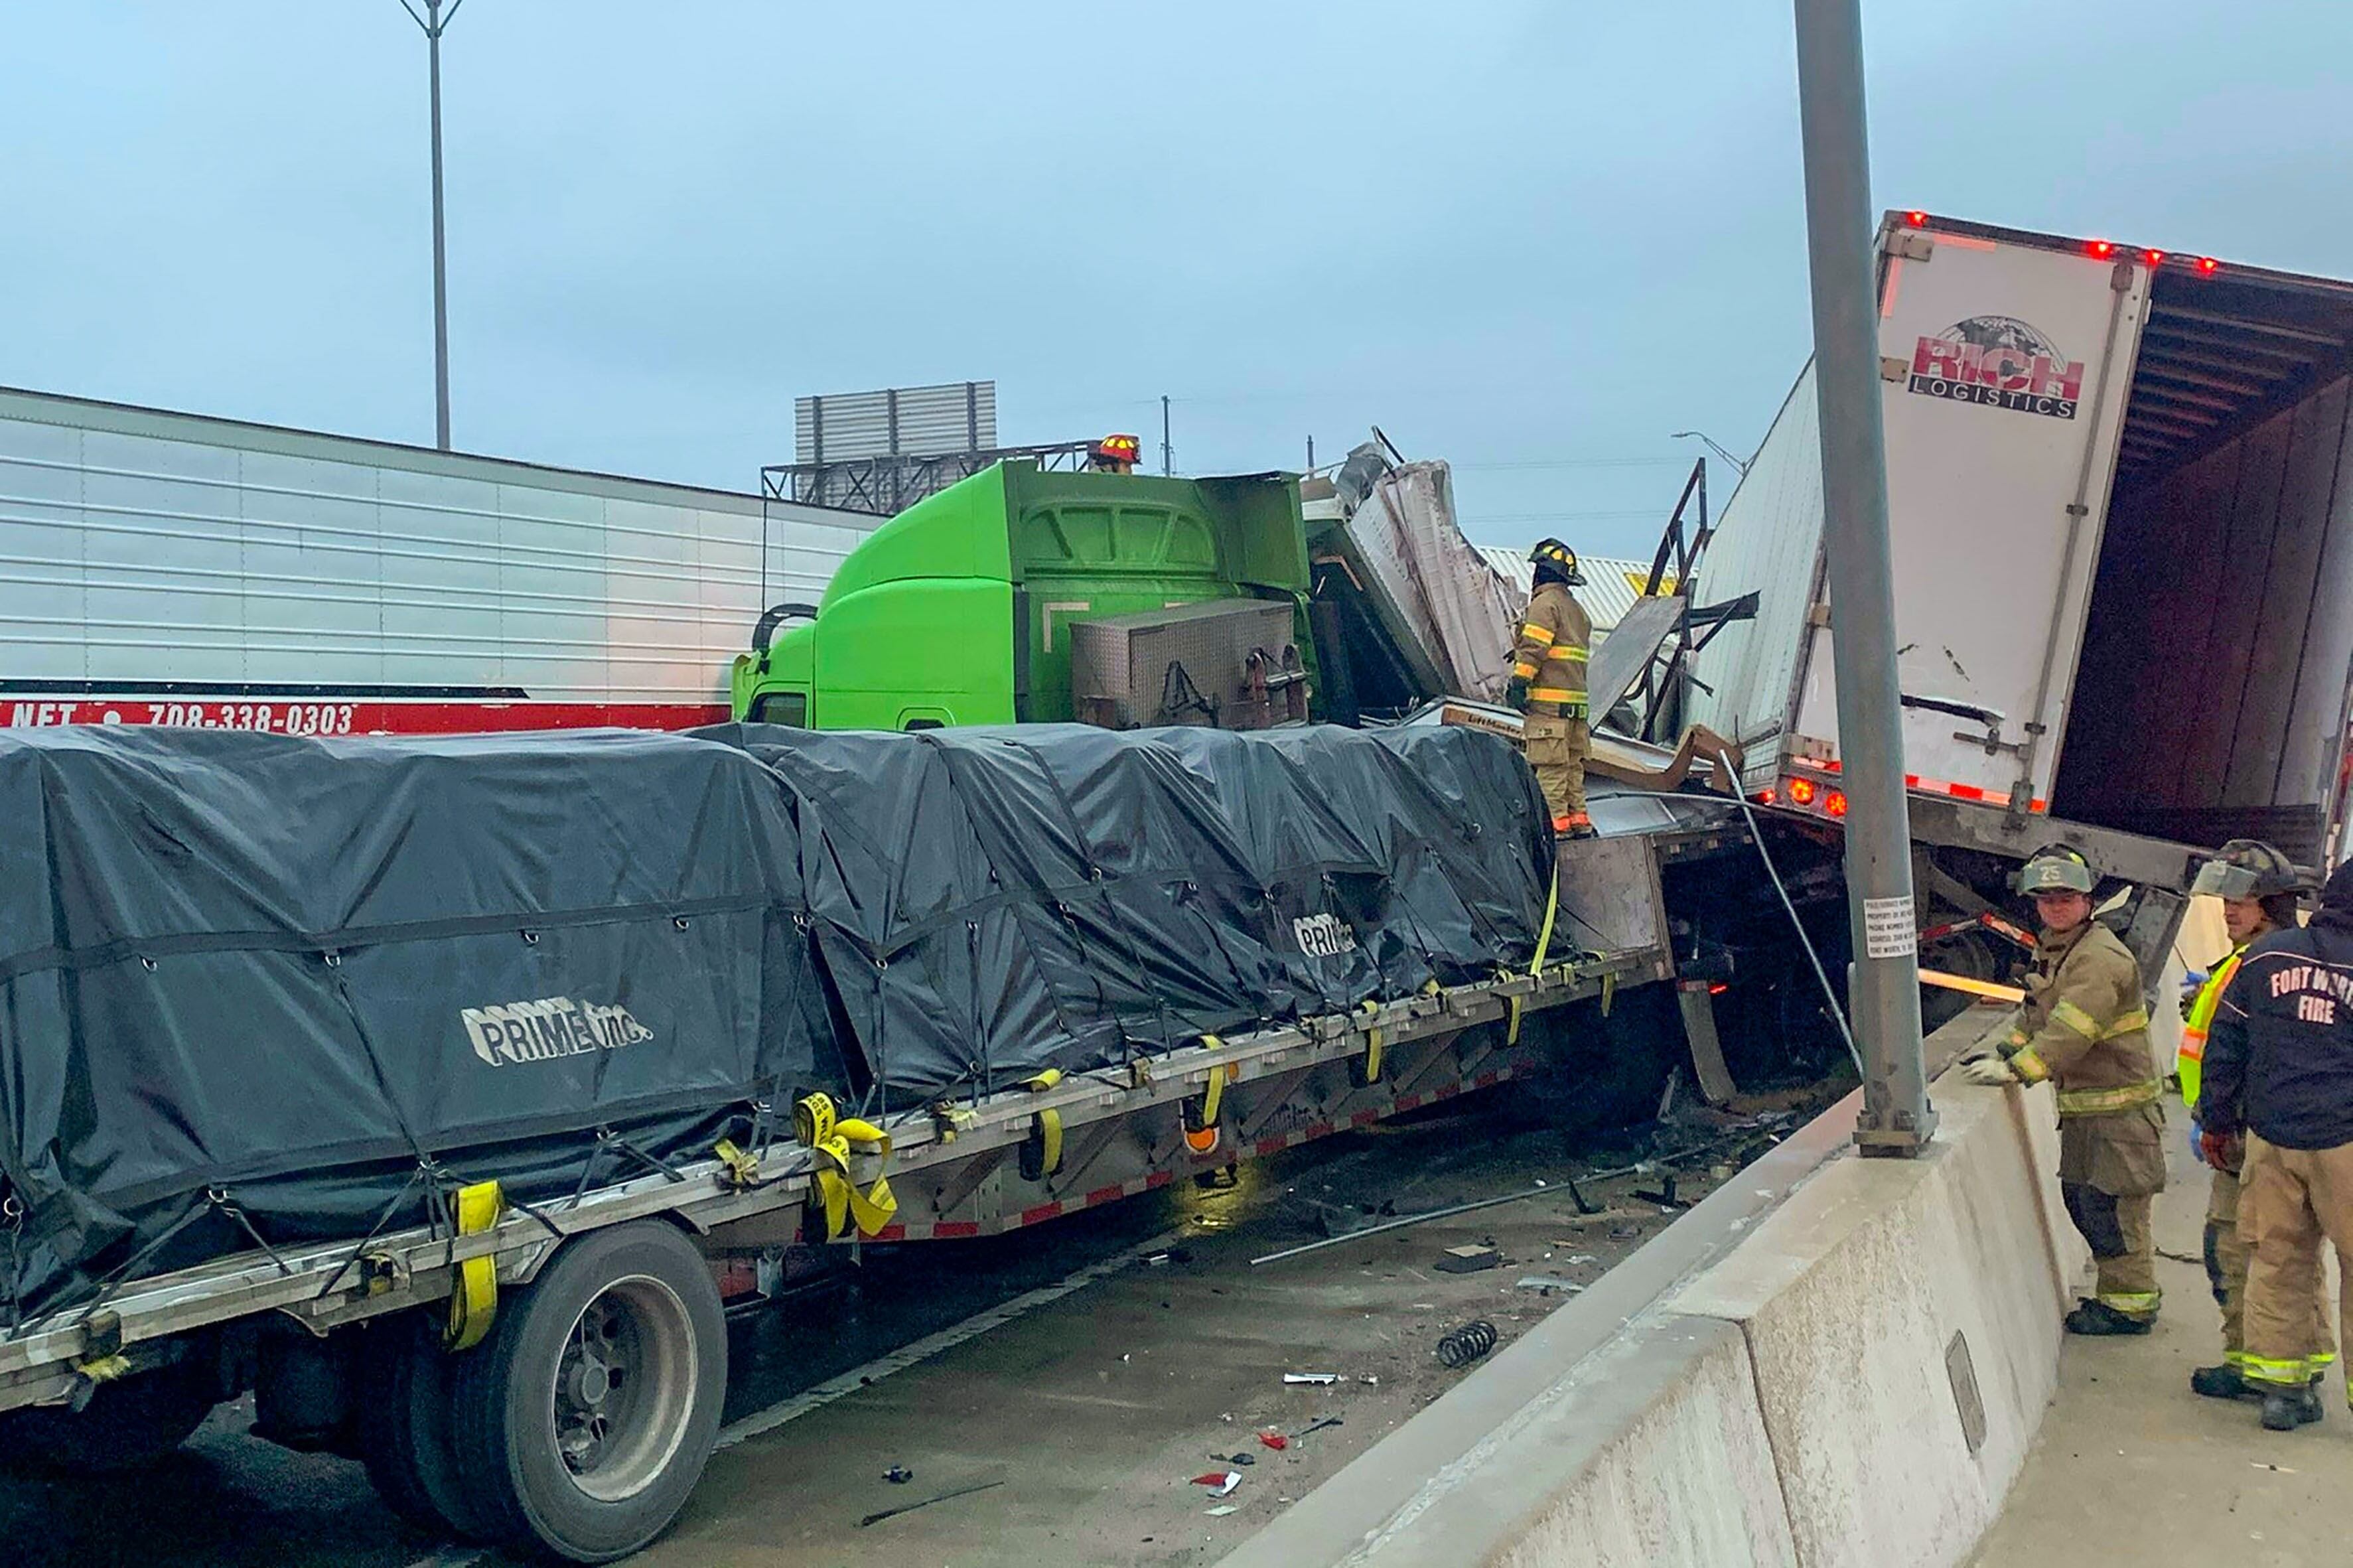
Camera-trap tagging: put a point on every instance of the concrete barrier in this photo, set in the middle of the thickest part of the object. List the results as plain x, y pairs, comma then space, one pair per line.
1903, 1318
1855, 1377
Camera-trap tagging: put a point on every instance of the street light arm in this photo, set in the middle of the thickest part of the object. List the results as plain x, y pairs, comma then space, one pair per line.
432, 29
1739, 466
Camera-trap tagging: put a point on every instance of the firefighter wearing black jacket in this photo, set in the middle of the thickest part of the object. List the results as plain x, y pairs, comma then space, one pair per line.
2279, 1066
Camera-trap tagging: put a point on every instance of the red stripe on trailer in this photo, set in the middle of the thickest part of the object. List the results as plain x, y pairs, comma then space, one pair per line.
890, 1233
1367, 1117
955, 1229
1408, 1102
1105, 1195
318, 716
1266, 1146
1316, 1130
1158, 1179
1043, 1211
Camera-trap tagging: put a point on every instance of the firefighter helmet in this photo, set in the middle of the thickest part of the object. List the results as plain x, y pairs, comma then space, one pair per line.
1559, 557
2248, 869
2056, 868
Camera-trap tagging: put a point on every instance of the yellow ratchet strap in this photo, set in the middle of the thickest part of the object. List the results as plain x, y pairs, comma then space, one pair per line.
743, 1171
1372, 1046
1536, 966
1046, 1126
833, 1137
475, 1300
1200, 1116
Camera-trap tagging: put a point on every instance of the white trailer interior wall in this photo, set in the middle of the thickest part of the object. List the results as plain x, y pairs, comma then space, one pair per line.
167, 568
2230, 544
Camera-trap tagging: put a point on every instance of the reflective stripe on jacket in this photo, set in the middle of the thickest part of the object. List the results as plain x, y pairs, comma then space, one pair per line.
2083, 1025
1551, 651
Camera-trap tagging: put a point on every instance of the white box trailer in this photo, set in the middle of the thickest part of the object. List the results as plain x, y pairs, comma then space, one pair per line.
2121, 505
164, 568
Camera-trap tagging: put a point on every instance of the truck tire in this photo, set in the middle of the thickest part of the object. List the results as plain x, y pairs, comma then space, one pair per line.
585, 1418
127, 1424
404, 1429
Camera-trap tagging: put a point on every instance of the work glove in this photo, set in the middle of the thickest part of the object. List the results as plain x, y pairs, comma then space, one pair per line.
2219, 1150
2197, 1136
1515, 695
1991, 1071
2192, 984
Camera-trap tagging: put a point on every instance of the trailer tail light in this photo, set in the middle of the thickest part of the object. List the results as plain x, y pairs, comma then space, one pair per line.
1835, 802
1717, 988
2103, 248
1802, 792
1768, 795
1917, 220
2154, 257
2207, 264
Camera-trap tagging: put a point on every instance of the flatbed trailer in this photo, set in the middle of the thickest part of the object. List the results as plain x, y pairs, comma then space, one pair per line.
308, 1324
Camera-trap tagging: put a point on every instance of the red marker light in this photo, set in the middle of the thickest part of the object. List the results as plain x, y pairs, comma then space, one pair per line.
2207, 264
1767, 796
1717, 988
1801, 792
2154, 257
2103, 248
1836, 803
1917, 220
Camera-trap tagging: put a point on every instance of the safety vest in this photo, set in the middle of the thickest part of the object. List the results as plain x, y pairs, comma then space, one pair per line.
2188, 1062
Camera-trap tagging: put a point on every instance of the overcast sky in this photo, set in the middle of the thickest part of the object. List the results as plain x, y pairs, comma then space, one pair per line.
1534, 239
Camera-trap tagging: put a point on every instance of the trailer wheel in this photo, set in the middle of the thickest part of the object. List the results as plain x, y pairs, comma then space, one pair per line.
404, 1429
127, 1424
587, 1416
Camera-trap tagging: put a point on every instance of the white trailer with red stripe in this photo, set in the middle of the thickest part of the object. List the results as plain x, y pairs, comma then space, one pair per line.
2120, 486
164, 568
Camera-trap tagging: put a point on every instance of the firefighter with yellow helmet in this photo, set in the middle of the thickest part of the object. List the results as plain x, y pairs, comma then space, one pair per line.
2258, 887
2084, 1027
1548, 662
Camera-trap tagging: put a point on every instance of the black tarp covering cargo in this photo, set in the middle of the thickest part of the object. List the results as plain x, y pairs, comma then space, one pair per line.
258, 987
287, 969
992, 902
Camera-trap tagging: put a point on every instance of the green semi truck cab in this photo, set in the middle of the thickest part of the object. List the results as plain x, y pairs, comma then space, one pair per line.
960, 609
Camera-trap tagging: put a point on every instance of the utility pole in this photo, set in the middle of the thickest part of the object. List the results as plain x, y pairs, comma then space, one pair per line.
1167, 453
1311, 454
434, 22
1884, 1000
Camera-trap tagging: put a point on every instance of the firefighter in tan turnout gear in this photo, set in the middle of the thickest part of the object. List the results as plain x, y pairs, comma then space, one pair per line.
2085, 1028
2258, 887
1548, 685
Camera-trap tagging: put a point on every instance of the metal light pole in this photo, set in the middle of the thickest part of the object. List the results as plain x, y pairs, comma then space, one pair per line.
434, 22
1884, 1000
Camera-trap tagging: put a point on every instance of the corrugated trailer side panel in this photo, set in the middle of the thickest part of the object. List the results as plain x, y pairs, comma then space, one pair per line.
1768, 541
150, 554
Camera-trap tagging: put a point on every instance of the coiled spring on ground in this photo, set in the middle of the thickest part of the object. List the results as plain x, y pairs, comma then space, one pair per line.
1467, 1343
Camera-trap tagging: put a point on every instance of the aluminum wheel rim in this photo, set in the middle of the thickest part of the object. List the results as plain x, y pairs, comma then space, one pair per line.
624, 1388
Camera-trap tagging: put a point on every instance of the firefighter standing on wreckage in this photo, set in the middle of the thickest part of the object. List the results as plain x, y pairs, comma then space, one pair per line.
2084, 1026
1549, 663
